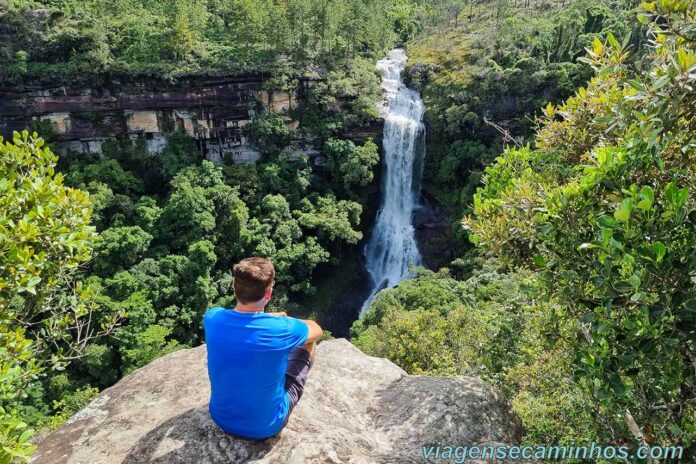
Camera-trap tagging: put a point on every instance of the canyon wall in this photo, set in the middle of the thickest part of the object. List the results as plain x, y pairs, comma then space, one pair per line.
216, 112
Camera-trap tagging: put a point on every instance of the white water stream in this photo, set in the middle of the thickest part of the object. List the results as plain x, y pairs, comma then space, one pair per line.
392, 244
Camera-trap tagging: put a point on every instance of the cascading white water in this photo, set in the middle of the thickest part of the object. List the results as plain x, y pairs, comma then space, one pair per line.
392, 244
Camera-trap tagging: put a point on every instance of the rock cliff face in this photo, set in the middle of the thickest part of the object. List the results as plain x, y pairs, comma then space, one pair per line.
214, 111
356, 409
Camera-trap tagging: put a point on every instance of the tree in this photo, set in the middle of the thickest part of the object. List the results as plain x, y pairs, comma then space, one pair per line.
190, 19
491, 326
151, 344
202, 206
286, 176
119, 248
108, 172
277, 235
173, 291
415, 340
179, 153
332, 220
358, 169
269, 133
352, 165
45, 234
453, 9
147, 213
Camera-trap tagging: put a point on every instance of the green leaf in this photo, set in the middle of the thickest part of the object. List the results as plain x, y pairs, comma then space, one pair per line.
622, 286
600, 328
597, 47
25, 435
31, 290
682, 195
647, 195
623, 213
626, 360
659, 249
634, 280
676, 196
659, 83
644, 205
635, 84
539, 261
607, 222
685, 58
648, 6
690, 305
617, 385
587, 358
671, 192
603, 120
616, 244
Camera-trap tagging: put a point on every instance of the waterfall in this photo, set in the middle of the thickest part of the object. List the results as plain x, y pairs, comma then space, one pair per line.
392, 244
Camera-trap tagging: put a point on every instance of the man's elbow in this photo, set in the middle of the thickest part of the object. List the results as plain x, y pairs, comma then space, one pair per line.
315, 331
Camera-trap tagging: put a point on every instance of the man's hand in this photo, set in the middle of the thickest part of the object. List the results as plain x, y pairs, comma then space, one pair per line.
279, 314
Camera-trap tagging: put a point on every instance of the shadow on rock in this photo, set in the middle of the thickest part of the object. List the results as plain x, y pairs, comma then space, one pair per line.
193, 437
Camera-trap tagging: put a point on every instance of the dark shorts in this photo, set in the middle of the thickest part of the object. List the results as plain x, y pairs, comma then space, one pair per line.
299, 364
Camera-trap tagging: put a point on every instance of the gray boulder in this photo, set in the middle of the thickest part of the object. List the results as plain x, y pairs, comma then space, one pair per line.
356, 409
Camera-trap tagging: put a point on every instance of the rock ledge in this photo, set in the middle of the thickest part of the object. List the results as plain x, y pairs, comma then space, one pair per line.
356, 409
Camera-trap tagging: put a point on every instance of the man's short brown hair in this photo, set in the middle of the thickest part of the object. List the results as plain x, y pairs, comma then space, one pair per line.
252, 277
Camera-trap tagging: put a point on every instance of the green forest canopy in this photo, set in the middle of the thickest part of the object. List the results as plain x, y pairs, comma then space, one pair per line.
93, 41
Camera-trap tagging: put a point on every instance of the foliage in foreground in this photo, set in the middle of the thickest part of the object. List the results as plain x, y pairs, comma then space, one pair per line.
47, 316
604, 211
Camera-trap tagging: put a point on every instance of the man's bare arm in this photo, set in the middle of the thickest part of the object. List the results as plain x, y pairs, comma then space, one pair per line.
315, 331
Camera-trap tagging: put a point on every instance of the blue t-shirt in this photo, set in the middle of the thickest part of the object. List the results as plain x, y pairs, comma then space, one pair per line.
247, 358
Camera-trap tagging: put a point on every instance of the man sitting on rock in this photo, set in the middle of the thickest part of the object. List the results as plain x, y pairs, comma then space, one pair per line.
257, 361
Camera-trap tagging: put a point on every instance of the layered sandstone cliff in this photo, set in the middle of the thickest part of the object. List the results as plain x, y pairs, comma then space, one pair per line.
216, 112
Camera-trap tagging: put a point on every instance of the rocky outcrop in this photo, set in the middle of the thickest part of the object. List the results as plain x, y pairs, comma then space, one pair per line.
417, 75
356, 409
